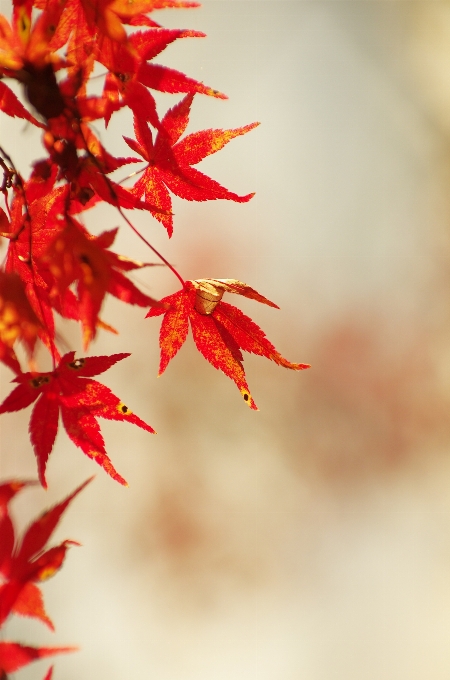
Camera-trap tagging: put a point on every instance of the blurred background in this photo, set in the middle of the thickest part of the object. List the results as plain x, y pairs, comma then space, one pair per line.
311, 540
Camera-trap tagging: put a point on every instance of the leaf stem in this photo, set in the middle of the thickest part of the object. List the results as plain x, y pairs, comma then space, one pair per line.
133, 174
157, 253
119, 209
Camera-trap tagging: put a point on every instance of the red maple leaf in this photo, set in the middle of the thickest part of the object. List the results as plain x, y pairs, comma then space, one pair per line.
170, 161
75, 255
220, 330
25, 563
70, 391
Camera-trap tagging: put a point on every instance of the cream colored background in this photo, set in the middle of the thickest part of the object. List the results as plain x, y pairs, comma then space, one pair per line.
310, 541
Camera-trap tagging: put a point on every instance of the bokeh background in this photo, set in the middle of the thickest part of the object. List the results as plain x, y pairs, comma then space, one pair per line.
310, 540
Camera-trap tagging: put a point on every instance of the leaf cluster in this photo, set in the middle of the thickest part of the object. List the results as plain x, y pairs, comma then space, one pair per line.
55, 268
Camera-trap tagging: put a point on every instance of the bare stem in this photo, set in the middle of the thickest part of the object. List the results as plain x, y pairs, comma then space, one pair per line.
130, 224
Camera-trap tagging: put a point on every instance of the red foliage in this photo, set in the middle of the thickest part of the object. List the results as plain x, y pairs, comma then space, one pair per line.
55, 265
70, 391
220, 330
23, 565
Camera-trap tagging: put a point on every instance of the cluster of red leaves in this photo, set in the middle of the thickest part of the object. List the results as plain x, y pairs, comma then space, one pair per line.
54, 265
24, 565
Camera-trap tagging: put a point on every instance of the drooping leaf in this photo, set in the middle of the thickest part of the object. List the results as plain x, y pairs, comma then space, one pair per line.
220, 330
80, 400
26, 563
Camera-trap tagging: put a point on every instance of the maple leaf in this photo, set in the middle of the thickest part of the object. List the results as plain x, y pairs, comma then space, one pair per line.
170, 160
86, 174
75, 255
20, 595
70, 391
24, 563
220, 330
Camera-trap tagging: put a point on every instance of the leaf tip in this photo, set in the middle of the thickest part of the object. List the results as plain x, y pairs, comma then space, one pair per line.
215, 93
248, 399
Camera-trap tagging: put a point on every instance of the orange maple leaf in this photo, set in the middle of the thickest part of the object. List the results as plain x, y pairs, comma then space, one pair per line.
220, 330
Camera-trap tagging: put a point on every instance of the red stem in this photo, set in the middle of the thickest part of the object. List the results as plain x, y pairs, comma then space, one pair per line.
119, 209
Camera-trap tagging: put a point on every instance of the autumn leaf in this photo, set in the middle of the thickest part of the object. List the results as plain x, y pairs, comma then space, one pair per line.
25, 563
76, 256
8, 490
170, 161
220, 330
70, 391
